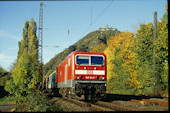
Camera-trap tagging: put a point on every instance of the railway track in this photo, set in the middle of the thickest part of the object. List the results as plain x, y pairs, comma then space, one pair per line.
93, 107
98, 106
121, 104
156, 101
117, 107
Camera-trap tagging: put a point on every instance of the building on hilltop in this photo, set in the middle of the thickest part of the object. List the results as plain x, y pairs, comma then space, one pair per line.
106, 28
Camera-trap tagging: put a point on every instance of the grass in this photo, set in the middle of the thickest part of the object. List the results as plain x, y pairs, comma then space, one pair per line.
8, 99
124, 91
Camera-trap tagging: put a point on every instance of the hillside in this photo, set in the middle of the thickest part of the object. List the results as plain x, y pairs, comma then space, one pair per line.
87, 43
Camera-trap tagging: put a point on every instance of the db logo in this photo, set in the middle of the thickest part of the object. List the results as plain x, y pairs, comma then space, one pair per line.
89, 72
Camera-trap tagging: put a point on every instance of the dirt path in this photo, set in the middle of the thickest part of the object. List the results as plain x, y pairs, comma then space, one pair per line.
7, 106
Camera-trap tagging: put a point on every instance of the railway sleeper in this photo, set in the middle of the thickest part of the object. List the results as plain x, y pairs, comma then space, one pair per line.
117, 107
151, 102
161, 103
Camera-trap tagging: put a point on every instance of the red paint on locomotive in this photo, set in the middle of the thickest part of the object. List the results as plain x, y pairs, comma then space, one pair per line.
70, 70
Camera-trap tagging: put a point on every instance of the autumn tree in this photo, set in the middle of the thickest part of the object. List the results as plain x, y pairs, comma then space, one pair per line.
161, 45
25, 76
24, 42
121, 62
130, 60
99, 48
2, 71
144, 51
4, 76
33, 55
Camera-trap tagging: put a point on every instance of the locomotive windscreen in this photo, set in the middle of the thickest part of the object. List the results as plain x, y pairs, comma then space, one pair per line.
96, 60
89, 60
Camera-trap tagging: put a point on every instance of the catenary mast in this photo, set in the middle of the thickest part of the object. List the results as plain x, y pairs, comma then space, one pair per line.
40, 41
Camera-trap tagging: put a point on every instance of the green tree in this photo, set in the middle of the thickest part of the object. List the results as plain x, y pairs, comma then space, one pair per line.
17, 85
2, 71
99, 48
25, 76
147, 50
72, 48
121, 63
161, 45
33, 55
83, 48
4, 76
24, 41
144, 51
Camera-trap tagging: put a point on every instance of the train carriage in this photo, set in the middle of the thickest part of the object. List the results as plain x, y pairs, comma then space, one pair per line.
51, 81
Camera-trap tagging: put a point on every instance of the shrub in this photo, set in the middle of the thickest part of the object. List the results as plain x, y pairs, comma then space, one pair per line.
35, 103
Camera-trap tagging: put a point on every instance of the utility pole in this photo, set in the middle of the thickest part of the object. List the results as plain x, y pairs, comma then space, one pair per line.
155, 76
40, 41
91, 16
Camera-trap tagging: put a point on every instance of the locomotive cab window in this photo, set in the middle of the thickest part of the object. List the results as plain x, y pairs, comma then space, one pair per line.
82, 60
89, 60
96, 60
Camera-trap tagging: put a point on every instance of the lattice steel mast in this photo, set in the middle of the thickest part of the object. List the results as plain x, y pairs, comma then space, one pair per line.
40, 41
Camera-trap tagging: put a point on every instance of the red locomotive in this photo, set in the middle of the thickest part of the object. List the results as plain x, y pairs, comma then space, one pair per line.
81, 74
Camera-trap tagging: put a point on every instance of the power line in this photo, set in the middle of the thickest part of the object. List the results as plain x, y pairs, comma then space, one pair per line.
51, 46
103, 11
96, 18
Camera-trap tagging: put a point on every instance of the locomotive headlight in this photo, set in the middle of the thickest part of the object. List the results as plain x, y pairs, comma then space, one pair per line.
77, 77
102, 78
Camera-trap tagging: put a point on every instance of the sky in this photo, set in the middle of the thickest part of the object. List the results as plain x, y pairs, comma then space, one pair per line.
77, 17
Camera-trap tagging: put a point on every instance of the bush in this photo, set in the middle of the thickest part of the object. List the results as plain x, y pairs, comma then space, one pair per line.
35, 103
9, 98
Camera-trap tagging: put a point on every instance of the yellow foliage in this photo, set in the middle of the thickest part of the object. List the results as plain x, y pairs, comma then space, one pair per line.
110, 65
125, 42
99, 48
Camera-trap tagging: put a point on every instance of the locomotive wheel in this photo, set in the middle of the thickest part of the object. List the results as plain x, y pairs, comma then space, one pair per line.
56, 92
64, 92
69, 95
60, 91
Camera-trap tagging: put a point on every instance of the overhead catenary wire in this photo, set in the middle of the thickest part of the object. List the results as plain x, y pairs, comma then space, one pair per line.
97, 18
51, 46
